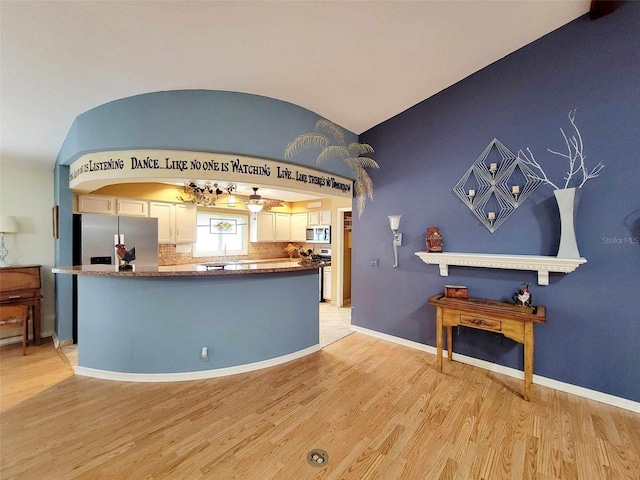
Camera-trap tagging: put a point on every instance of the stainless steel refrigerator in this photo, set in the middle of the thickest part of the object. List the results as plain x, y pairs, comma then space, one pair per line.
98, 235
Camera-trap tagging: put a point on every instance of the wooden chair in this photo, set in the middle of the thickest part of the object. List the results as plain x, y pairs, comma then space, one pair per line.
14, 316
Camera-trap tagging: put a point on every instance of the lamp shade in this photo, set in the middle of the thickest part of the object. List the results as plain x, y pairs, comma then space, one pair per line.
394, 221
8, 224
254, 207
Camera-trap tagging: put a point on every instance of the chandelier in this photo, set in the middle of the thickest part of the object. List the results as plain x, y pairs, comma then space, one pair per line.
204, 193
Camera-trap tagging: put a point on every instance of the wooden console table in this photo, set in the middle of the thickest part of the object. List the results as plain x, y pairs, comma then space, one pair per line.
20, 285
512, 321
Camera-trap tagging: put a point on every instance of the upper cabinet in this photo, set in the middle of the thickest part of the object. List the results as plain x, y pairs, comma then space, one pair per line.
166, 215
299, 227
269, 227
176, 222
113, 206
186, 218
282, 227
132, 207
96, 204
321, 217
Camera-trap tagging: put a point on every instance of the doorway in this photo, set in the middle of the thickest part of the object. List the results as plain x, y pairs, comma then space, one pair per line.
343, 264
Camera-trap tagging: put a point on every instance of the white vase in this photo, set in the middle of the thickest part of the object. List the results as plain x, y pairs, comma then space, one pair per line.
568, 199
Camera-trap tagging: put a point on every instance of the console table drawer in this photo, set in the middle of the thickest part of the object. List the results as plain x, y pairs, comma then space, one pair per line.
20, 278
19, 295
481, 323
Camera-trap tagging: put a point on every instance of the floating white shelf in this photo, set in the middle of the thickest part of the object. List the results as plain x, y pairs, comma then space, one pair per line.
542, 265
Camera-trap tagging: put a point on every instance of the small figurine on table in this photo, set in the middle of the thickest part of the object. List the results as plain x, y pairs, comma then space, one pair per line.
522, 297
125, 256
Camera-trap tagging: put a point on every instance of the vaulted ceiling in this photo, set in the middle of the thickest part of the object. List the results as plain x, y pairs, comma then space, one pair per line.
357, 63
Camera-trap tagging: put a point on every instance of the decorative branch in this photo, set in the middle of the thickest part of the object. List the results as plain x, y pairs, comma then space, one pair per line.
575, 155
532, 162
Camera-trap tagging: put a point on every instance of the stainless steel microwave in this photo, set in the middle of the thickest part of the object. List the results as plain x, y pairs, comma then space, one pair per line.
319, 234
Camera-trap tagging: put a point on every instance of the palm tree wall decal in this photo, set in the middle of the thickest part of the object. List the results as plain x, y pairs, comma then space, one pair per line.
330, 138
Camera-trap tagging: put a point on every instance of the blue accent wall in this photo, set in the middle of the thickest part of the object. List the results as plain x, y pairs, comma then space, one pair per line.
160, 324
592, 335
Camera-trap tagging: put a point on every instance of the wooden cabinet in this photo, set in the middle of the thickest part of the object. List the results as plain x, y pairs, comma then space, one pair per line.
321, 217
96, 204
299, 227
20, 285
176, 222
132, 207
270, 227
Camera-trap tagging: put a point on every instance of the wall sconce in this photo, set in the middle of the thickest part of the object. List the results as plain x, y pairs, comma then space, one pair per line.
8, 224
394, 222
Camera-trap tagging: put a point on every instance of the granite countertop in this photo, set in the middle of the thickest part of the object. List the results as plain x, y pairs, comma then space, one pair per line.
242, 267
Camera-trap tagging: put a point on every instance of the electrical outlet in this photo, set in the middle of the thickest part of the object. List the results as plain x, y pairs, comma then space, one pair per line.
375, 262
204, 354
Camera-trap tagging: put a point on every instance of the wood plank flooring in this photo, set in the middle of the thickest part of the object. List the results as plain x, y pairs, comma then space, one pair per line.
380, 411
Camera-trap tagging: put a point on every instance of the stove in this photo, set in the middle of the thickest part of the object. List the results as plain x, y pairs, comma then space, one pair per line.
323, 255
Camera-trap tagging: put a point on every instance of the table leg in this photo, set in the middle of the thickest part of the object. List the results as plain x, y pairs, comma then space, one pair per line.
450, 342
36, 321
439, 337
528, 359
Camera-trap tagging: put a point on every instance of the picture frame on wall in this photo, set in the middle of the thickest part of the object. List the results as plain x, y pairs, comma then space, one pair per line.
54, 219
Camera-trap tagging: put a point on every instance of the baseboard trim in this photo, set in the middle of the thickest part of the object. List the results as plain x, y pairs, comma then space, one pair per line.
511, 372
199, 375
18, 338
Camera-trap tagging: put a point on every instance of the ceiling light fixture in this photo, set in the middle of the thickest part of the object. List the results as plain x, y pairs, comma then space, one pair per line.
255, 201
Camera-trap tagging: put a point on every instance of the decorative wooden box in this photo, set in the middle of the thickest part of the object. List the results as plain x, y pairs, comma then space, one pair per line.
455, 291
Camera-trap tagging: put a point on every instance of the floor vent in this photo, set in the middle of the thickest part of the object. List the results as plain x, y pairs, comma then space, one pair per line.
317, 458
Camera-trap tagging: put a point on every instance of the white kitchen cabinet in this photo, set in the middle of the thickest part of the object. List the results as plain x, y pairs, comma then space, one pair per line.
326, 279
132, 207
261, 227
270, 227
321, 217
282, 227
166, 215
186, 218
96, 204
299, 227
176, 222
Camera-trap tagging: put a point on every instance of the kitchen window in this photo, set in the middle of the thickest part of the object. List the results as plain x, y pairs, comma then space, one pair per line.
220, 234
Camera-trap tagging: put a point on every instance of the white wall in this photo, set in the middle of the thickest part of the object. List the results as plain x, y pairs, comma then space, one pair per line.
26, 192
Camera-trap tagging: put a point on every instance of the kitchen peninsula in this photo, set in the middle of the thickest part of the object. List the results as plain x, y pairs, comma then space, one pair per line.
185, 322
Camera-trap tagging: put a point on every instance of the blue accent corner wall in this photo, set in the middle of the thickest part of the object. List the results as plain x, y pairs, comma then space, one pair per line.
592, 335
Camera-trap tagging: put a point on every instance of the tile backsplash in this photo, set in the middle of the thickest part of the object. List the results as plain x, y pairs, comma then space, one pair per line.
168, 254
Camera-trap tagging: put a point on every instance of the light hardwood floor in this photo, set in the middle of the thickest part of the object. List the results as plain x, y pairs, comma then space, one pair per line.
380, 410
